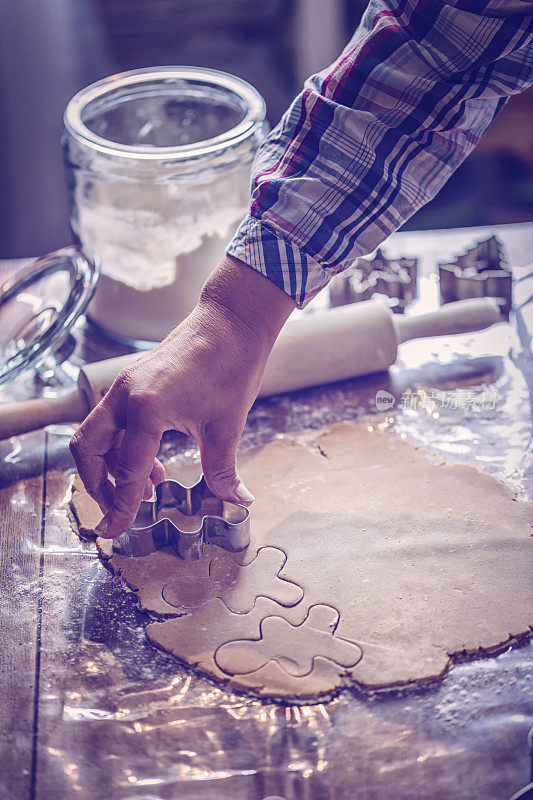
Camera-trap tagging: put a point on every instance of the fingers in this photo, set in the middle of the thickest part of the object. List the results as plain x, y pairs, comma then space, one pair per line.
156, 476
218, 453
100, 447
111, 457
157, 473
95, 437
133, 468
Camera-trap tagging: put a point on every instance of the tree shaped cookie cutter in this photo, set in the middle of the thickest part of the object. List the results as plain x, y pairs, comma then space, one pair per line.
480, 271
185, 518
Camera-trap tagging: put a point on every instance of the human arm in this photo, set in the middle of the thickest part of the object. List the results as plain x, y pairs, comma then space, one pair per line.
374, 136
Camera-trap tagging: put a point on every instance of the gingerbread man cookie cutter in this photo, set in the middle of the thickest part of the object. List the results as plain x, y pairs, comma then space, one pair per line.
185, 518
393, 277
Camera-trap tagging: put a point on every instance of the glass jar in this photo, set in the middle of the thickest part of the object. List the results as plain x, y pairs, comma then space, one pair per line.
158, 171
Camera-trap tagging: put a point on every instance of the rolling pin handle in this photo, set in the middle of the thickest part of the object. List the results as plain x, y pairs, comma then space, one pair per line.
30, 415
462, 316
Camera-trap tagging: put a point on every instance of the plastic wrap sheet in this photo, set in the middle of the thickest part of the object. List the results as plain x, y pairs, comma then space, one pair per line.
115, 718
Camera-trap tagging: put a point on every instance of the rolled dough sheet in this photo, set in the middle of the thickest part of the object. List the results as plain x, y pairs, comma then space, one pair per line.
411, 560
84, 509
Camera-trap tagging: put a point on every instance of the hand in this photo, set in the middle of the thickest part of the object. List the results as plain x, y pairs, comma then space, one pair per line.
201, 380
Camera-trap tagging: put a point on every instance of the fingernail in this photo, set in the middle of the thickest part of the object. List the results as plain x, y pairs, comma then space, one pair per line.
243, 495
148, 491
103, 526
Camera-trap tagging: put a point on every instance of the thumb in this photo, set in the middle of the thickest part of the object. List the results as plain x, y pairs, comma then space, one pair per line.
218, 453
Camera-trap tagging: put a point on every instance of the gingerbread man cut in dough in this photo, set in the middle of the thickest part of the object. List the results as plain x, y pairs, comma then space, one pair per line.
314, 637
236, 585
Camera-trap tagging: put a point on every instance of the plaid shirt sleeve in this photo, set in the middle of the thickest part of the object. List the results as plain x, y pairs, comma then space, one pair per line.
375, 135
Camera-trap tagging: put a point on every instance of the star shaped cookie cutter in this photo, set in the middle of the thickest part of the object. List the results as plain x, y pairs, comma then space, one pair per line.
185, 518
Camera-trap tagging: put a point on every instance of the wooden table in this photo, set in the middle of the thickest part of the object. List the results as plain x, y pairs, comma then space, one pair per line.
89, 709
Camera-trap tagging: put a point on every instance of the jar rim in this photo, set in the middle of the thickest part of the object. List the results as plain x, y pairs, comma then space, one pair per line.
253, 101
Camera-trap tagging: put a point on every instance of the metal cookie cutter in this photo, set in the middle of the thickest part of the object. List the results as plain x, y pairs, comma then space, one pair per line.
395, 278
186, 519
479, 272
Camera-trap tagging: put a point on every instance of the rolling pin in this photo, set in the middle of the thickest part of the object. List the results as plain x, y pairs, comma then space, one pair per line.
321, 347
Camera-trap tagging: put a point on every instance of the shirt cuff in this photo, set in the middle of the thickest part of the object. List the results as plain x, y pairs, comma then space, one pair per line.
278, 259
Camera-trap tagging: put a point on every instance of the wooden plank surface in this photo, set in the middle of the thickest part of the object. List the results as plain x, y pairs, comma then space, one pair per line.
57, 764
22, 498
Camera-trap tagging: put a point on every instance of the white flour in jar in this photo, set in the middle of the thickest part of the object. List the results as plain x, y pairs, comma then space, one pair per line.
157, 245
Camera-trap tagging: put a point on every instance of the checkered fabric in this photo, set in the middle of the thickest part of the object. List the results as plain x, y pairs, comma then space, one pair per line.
374, 136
